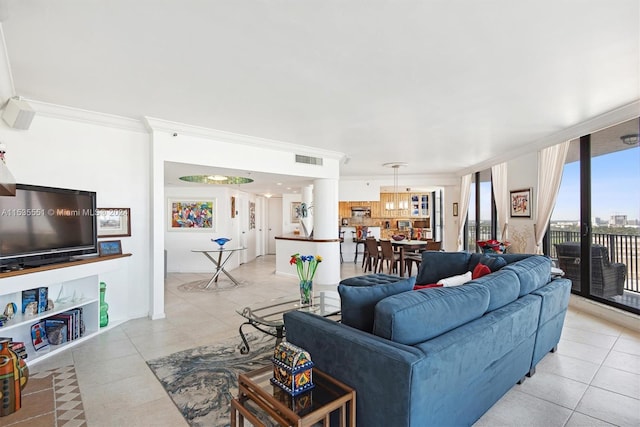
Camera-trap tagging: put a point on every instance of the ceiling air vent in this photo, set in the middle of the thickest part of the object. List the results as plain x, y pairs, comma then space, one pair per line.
308, 160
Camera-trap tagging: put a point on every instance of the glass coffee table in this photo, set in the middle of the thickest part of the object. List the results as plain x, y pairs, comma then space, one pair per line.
267, 316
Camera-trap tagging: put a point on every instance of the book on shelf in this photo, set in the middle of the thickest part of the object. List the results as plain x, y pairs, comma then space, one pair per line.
38, 297
39, 336
17, 347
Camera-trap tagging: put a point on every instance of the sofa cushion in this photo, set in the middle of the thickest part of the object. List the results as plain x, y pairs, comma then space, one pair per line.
495, 263
413, 317
503, 287
357, 301
533, 272
480, 270
370, 279
457, 280
438, 265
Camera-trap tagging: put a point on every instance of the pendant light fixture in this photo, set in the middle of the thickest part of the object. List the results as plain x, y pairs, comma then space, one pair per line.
396, 207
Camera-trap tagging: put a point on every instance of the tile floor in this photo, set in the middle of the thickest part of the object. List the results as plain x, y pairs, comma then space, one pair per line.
593, 379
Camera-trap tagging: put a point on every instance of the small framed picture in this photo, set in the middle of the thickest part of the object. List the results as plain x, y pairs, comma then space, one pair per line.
295, 212
455, 209
520, 203
114, 222
109, 247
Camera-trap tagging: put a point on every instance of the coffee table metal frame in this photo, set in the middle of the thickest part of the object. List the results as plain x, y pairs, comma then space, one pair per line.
267, 317
332, 395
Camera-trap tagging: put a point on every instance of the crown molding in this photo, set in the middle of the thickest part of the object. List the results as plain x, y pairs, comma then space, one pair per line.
165, 126
603, 121
85, 116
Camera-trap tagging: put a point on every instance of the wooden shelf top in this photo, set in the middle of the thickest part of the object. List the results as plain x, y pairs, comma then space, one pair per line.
56, 266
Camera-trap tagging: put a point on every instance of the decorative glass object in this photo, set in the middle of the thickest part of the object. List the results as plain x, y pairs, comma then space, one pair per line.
104, 307
493, 246
306, 293
221, 241
292, 369
306, 266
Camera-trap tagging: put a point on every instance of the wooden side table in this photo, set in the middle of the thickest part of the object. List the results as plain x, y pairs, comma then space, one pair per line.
306, 409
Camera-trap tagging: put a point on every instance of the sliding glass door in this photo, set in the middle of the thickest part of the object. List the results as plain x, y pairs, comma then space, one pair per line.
595, 228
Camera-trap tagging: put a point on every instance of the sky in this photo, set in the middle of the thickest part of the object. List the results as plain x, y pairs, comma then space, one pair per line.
615, 188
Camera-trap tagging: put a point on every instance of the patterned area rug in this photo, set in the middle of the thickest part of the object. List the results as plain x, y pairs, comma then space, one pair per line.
50, 398
203, 380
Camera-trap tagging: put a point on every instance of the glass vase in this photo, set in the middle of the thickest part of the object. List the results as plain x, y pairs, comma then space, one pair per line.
104, 307
306, 293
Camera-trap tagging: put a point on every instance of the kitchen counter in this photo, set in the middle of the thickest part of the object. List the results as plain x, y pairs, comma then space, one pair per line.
349, 244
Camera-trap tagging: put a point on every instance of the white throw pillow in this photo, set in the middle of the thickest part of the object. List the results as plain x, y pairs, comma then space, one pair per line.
456, 280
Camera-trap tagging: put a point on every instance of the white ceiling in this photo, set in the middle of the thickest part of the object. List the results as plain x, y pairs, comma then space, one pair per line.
440, 85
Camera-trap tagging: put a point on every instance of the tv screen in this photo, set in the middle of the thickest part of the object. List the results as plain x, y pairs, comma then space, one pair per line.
45, 224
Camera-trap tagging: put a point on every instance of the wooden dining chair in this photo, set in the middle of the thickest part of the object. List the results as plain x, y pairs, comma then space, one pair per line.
372, 254
411, 258
387, 254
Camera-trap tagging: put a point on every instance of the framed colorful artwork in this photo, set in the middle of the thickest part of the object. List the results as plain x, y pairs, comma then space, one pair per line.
520, 203
191, 215
114, 222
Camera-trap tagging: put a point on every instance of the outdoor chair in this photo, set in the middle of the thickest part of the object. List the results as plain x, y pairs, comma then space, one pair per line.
607, 279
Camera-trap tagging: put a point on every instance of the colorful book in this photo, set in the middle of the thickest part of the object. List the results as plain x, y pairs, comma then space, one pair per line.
39, 336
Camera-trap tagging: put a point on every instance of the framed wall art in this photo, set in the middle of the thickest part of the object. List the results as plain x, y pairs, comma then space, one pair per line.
114, 222
295, 212
191, 214
252, 215
520, 203
109, 247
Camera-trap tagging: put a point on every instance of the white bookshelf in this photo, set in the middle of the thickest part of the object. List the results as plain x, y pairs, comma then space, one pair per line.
70, 285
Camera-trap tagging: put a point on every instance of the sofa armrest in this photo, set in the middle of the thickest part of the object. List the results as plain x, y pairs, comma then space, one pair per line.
380, 368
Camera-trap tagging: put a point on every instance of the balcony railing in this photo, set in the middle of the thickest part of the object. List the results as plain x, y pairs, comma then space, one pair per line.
623, 248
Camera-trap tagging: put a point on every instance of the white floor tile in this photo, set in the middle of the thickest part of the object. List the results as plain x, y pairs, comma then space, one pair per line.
618, 381
610, 407
521, 409
555, 389
581, 420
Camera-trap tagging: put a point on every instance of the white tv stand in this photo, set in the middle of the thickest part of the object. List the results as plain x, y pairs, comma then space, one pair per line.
71, 284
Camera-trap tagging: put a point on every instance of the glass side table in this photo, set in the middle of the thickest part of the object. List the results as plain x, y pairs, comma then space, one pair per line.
316, 405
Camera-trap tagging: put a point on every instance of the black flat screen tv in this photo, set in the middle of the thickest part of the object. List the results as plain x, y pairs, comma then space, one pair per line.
43, 225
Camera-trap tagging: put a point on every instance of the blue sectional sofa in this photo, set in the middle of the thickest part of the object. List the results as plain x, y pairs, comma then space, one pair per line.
438, 356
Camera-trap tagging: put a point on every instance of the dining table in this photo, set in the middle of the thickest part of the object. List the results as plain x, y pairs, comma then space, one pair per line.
405, 246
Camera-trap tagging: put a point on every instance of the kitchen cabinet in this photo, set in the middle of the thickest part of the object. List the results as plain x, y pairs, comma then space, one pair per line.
419, 205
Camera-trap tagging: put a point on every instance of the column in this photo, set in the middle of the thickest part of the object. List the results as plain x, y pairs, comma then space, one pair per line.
325, 226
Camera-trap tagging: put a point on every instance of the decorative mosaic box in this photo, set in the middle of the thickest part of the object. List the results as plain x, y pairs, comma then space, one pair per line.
292, 369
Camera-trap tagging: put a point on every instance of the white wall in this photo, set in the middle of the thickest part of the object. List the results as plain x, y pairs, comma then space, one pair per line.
110, 161
523, 173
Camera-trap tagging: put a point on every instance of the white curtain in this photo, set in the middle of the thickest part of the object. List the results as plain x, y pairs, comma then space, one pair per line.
550, 166
501, 194
463, 208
